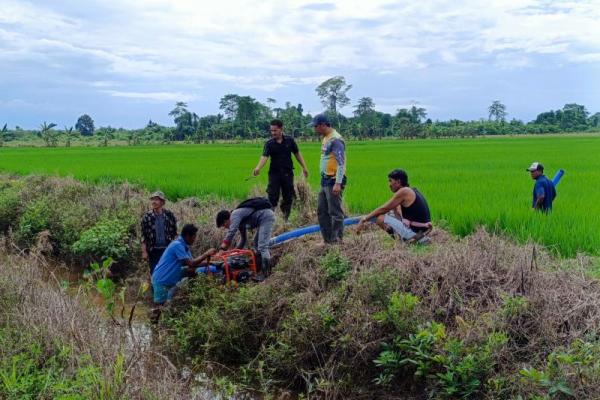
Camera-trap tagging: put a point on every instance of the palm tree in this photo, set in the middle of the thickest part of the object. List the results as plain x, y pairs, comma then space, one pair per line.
3, 134
70, 134
49, 136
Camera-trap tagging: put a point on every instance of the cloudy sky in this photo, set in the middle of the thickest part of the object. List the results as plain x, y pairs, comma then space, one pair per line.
127, 61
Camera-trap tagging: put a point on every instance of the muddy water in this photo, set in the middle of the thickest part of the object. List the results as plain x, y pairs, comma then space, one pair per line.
140, 334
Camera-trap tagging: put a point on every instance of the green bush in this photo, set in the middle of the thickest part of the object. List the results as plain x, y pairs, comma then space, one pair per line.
335, 265
400, 312
71, 220
37, 217
449, 367
10, 208
218, 323
108, 238
514, 306
378, 286
30, 371
568, 372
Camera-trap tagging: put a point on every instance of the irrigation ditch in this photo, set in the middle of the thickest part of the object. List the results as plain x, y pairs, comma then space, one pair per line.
473, 317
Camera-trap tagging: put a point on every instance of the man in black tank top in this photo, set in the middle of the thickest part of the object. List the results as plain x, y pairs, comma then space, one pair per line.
406, 213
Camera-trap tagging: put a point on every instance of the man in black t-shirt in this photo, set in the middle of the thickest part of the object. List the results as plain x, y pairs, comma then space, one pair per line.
281, 171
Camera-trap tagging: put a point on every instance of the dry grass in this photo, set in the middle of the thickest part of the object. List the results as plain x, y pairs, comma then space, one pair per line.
54, 317
463, 283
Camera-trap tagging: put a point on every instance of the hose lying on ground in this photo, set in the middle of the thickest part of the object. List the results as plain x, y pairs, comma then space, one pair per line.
296, 233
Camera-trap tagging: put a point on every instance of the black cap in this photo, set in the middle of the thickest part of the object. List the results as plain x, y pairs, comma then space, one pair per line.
320, 119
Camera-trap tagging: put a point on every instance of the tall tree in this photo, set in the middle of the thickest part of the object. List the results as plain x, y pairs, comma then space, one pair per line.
497, 111
593, 120
185, 121
229, 105
365, 106
417, 113
270, 103
333, 93
366, 117
245, 112
85, 125
574, 116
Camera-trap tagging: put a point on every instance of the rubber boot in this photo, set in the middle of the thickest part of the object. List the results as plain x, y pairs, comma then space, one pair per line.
265, 266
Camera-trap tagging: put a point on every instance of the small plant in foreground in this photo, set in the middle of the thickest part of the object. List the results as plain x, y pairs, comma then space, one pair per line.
449, 367
98, 276
335, 265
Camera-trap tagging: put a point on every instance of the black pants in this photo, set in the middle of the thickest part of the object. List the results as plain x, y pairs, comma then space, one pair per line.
153, 258
282, 182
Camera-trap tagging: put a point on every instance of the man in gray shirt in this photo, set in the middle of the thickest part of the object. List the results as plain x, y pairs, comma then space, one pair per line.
242, 219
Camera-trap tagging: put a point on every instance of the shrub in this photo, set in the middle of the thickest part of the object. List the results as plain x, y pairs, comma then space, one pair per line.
10, 208
377, 286
450, 368
108, 238
217, 323
29, 370
37, 217
400, 312
71, 220
335, 266
569, 372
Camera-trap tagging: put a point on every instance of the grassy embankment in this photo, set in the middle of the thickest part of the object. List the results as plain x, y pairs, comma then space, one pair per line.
478, 317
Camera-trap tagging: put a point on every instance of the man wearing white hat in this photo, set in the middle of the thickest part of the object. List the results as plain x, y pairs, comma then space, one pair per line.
159, 228
544, 191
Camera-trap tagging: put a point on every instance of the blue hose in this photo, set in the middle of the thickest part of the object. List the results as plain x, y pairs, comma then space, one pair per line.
558, 176
212, 268
296, 233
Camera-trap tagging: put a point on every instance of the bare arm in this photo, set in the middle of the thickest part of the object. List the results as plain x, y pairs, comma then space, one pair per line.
144, 251
391, 204
539, 202
260, 165
198, 260
300, 159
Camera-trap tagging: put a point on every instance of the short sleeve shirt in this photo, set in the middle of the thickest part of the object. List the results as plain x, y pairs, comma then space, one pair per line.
281, 154
168, 270
544, 187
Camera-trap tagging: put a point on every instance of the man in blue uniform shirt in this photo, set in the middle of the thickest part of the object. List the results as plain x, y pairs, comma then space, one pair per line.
543, 190
176, 258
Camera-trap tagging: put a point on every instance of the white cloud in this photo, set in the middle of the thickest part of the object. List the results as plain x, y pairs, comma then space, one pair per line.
272, 44
152, 96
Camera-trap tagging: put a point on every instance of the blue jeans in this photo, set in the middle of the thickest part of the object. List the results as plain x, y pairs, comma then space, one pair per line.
162, 293
398, 226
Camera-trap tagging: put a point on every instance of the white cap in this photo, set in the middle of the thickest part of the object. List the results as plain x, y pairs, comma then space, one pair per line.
535, 166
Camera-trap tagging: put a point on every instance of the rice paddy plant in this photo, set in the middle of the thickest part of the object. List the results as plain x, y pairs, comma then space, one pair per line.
467, 182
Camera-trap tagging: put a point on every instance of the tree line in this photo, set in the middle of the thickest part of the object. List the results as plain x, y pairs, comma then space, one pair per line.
244, 117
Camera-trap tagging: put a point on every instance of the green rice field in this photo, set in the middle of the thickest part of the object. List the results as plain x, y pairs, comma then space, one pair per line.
467, 182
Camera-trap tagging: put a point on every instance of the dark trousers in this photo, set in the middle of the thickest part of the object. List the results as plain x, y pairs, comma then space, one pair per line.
154, 256
331, 215
282, 182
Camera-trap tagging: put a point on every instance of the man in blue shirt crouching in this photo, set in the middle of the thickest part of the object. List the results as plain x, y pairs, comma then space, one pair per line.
175, 260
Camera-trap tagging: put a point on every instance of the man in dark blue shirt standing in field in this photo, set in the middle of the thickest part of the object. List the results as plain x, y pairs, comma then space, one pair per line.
281, 171
543, 190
